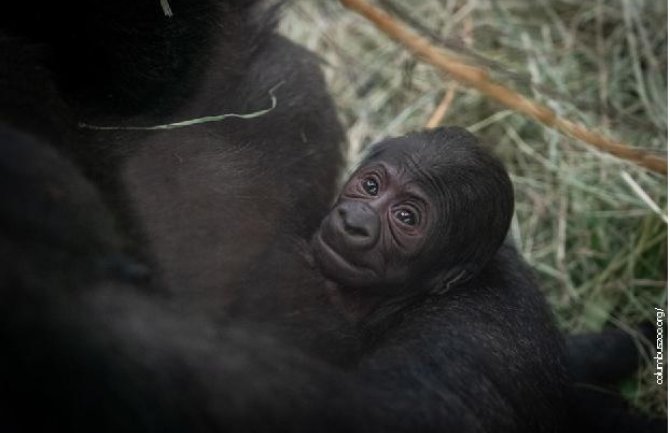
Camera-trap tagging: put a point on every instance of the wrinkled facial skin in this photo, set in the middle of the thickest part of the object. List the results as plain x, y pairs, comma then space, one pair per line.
425, 211
374, 235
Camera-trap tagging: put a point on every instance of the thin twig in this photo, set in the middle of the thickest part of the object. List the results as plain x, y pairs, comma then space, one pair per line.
441, 110
479, 79
190, 122
167, 10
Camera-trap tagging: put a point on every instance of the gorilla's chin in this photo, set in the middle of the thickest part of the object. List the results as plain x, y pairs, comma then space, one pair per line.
337, 268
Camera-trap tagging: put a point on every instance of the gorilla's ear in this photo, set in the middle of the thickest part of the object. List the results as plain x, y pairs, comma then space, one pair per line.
454, 276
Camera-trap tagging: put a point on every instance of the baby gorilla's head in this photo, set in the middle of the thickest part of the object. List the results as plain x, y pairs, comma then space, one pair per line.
426, 209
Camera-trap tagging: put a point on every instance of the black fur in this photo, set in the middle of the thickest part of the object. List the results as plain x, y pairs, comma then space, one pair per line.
119, 248
469, 358
599, 361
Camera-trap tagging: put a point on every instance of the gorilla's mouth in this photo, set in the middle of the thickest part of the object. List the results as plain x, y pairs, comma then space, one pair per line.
337, 268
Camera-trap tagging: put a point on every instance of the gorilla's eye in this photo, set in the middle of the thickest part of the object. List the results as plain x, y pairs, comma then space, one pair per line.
370, 186
406, 216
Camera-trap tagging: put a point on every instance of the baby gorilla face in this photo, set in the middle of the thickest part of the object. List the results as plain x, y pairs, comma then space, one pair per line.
375, 233
426, 209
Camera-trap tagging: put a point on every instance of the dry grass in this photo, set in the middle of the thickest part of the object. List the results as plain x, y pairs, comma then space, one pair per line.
593, 226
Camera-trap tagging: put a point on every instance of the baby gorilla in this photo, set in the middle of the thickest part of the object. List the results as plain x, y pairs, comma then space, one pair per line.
422, 213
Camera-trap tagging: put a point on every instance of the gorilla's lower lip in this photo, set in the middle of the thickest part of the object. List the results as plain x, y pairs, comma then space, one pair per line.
341, 262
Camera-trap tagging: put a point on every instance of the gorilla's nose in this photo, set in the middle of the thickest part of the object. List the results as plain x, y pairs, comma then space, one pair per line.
360, 224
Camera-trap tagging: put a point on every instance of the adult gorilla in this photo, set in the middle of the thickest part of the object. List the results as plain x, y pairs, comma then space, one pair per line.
199, 202
119, 244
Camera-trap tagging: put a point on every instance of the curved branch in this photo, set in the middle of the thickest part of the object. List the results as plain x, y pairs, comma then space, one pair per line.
479, 79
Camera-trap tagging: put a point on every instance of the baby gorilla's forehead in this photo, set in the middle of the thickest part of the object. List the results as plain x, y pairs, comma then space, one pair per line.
404, 156
414, 163
436, 158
